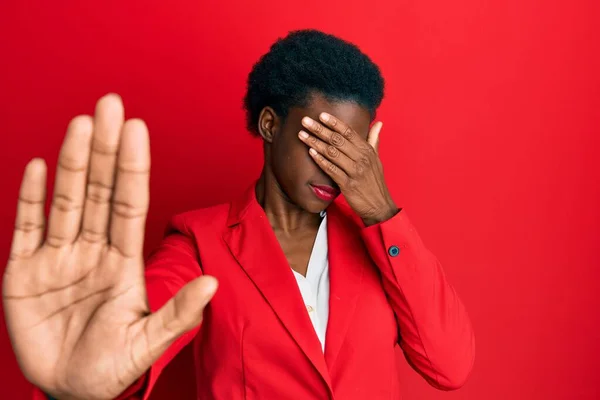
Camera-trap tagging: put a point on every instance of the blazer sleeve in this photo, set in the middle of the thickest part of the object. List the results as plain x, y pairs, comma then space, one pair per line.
173, 264
435, 331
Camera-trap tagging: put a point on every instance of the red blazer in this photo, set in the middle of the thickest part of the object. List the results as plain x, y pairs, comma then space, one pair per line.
257, 341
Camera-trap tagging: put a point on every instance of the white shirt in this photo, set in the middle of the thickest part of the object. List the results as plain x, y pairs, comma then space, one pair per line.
315, 286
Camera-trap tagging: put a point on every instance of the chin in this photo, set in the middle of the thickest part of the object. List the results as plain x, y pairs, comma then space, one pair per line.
315, 206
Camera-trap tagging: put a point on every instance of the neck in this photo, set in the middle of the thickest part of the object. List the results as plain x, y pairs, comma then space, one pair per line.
284, 216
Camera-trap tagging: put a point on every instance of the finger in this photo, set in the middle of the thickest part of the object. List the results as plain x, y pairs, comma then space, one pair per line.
108, 123
30, 221
331, 137
336, 173
131, 196
337, 125
180, 314
373, 137
331, 152
69, 188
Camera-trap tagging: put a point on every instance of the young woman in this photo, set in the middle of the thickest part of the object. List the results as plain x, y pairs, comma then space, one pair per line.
315, 290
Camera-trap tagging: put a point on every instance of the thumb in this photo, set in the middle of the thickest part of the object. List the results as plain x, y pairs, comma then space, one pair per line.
373, 136
179, 315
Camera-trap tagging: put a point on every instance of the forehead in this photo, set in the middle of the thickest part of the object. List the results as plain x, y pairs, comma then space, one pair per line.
349, 112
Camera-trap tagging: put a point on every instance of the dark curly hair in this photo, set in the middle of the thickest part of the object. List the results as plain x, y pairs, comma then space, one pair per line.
309, 61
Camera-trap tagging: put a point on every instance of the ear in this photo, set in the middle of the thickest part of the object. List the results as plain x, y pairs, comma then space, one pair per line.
268, 124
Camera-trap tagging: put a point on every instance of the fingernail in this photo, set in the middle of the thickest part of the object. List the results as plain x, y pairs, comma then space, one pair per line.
313, 152
306, 120
303, 135
325, 116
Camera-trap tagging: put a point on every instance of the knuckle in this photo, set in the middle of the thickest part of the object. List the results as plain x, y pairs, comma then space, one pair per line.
348, 133
98, 192
92, 236
100, 146
332, 168
333, 151
65, 203
133, 167
14, 257
128, 211
30, 202
70, 164
55, 241
28, 226
337, 139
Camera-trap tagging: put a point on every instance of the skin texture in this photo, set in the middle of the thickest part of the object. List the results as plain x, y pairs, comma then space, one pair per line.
74, 288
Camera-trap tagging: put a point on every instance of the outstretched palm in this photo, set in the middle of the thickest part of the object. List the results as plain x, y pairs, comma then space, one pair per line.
74, 292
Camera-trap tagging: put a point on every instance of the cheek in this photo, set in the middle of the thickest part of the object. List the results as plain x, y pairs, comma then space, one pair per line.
302, 160
299, 167
292, 155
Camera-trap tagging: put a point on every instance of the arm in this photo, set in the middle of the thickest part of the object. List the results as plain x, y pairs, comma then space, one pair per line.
173, 264
436, 333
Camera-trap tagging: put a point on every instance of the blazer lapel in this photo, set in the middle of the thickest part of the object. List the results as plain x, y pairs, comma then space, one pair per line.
253, 243
346, 266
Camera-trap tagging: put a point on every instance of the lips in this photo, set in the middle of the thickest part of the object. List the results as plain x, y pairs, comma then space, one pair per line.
325, 192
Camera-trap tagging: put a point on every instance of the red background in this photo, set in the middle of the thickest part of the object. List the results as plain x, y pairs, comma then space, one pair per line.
490, 143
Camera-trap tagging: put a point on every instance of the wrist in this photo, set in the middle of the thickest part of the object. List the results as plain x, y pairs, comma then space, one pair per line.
382, 215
